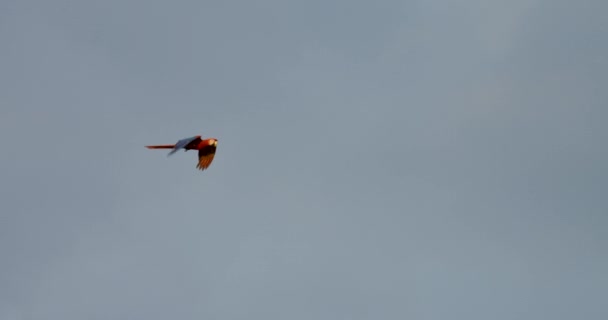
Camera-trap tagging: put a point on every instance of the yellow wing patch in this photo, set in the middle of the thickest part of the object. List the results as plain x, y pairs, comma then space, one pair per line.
205, 161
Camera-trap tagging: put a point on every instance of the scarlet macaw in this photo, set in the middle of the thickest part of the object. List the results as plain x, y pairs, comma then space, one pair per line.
206, 149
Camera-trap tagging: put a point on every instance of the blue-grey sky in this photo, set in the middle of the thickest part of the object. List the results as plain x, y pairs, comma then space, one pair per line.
376, 160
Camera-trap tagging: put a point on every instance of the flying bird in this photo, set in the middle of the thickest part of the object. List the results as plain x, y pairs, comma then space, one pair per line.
206, 149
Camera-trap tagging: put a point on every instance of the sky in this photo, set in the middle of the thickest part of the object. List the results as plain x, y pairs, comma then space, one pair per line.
376, 160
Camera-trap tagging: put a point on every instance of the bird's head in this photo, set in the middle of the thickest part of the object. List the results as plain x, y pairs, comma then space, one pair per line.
213, 142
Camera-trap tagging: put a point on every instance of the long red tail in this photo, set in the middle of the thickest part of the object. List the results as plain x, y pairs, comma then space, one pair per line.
161, 146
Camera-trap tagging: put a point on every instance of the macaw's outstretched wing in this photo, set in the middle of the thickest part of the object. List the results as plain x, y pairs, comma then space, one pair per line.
205, 157
181, 144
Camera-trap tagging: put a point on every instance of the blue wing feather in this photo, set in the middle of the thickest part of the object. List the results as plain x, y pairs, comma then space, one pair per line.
182, 143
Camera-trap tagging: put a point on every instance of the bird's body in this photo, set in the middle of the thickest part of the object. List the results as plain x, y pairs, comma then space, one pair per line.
206, 149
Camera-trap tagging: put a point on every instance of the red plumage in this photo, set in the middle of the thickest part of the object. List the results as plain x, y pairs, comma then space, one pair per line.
206, 149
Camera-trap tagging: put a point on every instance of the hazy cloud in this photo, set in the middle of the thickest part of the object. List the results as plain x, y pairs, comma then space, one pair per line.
421, 160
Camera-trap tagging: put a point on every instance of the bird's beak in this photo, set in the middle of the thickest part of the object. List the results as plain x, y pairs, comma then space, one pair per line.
215, 143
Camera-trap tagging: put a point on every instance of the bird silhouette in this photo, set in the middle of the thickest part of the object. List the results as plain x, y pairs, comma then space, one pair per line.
206, 149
